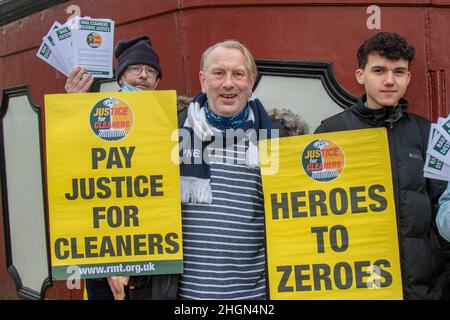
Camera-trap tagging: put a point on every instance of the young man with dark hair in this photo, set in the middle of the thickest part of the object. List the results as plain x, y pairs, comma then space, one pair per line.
383, 70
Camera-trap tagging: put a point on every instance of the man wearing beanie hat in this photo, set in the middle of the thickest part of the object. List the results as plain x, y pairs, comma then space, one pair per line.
137, 69
137, 52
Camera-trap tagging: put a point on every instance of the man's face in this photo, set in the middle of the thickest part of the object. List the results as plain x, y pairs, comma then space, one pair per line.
226, 81
384, 80
141, 76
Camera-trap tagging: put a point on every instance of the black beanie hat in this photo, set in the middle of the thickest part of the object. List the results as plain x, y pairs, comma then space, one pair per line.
138, 50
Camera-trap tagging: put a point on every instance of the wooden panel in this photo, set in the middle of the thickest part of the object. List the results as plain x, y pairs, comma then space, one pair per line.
441, 2
207, 3
286, 34
28, 32
439, 62
7, 286
11, 10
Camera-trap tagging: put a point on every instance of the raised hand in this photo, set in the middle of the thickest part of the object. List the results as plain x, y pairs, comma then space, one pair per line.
78, 81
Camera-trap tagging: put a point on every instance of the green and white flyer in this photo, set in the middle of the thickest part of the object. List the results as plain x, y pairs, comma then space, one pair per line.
437, 162
48, 43
83, 42
92, 41
62, 38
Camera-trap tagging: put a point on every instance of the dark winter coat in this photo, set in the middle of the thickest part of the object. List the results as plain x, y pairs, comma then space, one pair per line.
416, 198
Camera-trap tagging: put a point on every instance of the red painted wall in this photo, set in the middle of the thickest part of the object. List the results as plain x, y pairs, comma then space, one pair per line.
284, 30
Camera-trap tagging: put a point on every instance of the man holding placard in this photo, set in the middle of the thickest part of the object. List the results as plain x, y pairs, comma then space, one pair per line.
138, 69
383, 70
221, 191
221, 196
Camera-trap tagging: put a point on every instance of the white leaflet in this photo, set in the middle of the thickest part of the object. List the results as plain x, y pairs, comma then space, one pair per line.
93, 41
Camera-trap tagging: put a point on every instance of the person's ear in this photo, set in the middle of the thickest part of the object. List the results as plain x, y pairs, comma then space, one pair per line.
359, 75
121, 81
156, 84
253, 80
202, 78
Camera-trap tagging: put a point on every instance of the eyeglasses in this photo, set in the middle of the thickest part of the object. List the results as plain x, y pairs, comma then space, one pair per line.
137, 70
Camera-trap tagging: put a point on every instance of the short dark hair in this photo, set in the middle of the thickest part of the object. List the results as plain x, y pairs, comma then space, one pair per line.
387, 44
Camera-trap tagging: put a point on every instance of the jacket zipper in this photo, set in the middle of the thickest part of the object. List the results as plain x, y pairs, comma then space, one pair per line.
395, 181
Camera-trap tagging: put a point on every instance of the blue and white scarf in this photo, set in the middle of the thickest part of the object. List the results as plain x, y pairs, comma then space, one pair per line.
195, 136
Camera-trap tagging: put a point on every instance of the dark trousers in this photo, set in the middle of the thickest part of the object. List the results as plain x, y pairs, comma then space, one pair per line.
98, 289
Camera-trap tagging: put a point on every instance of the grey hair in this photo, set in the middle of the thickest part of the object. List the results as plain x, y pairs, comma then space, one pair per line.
231, 44
292, 122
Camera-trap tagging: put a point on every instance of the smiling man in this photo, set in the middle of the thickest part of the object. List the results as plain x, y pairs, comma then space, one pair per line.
383, 70
221, 190
227, 80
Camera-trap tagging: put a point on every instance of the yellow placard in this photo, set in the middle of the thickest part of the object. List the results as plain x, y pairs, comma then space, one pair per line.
331, 226
113, 184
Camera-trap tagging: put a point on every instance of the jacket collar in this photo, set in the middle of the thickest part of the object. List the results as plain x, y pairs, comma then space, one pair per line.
376, 118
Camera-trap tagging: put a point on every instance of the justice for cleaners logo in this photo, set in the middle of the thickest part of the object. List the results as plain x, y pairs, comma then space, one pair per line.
323, 160
94, 40
111, 119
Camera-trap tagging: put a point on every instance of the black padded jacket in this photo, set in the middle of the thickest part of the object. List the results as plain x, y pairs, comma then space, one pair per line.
416, 198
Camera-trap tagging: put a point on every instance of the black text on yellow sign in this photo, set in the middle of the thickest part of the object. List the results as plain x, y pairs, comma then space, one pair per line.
116, 216
330, 221
114, 207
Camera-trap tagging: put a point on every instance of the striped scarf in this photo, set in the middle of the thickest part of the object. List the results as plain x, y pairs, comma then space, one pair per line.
197, 134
